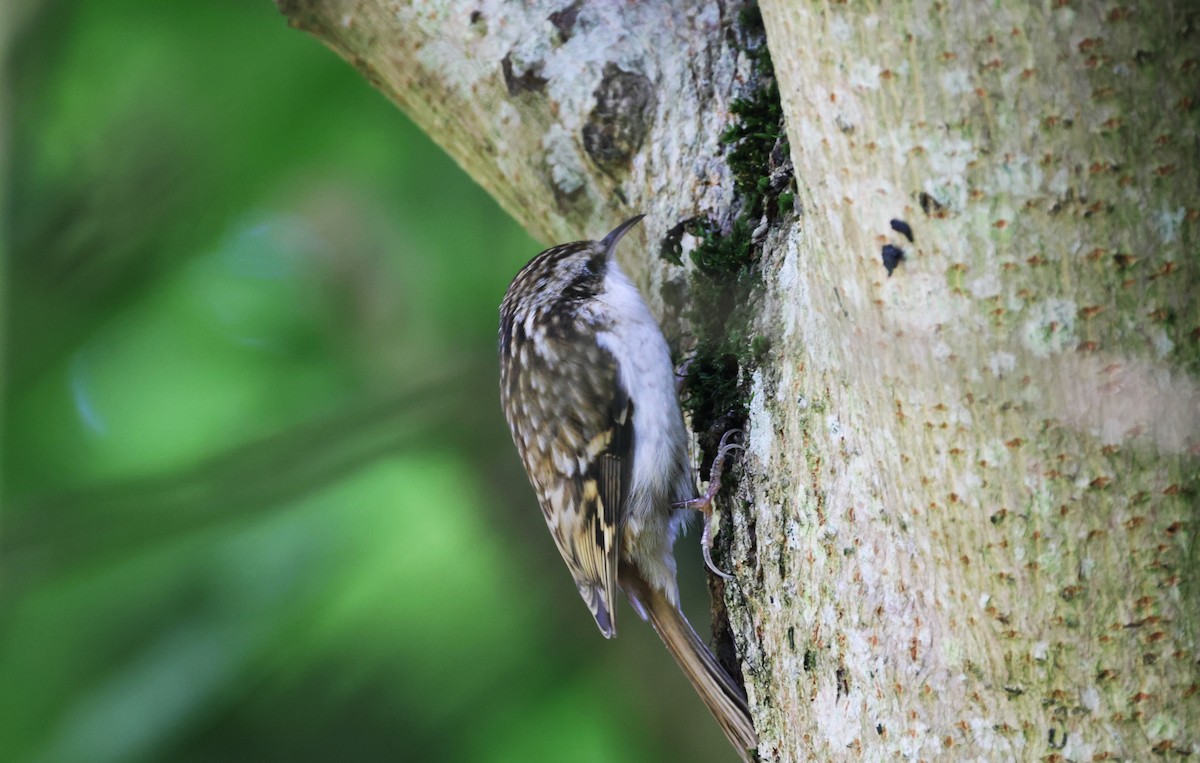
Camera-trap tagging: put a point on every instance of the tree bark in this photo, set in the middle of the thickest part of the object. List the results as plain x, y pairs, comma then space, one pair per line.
569, 114
967, 522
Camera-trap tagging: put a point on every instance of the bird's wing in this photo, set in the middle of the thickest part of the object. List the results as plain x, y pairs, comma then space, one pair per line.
577, 443
610, 473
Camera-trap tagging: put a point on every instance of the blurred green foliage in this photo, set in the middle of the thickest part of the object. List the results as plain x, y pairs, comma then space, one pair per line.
258, 499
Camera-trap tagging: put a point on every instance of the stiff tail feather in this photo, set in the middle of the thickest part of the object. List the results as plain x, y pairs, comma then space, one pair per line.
723, 697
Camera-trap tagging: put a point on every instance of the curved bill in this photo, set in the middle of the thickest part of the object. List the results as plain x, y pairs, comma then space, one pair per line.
609, 242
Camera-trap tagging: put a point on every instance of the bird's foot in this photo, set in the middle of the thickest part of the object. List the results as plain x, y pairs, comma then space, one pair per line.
704, 504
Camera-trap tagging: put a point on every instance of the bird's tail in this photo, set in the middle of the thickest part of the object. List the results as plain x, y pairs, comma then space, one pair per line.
720, 693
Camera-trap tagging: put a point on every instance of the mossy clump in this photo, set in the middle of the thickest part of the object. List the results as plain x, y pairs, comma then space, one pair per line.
721, 310
756, 136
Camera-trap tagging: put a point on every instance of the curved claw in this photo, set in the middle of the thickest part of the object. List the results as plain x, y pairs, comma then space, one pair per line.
706, 549
725, 438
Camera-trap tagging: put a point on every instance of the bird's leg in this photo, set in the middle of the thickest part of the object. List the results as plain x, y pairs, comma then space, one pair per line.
704, 503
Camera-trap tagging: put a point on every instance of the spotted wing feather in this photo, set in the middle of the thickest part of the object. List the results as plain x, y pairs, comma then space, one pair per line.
577, 444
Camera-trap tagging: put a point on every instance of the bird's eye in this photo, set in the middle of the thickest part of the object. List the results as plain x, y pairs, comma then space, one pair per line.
594, 266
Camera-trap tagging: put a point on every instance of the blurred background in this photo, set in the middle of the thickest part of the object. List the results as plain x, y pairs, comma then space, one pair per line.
258, 499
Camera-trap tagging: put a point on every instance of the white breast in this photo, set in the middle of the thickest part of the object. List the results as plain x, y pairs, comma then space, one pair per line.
644, 360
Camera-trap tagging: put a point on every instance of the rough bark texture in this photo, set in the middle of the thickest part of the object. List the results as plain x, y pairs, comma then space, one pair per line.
975, 528
968, 520
573, 115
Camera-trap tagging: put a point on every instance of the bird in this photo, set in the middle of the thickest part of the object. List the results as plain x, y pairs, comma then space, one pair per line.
588, 389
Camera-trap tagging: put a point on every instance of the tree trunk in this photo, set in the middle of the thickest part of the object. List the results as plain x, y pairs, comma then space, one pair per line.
966, 526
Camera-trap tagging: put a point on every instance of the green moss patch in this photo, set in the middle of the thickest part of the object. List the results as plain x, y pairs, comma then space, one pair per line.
722, 304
